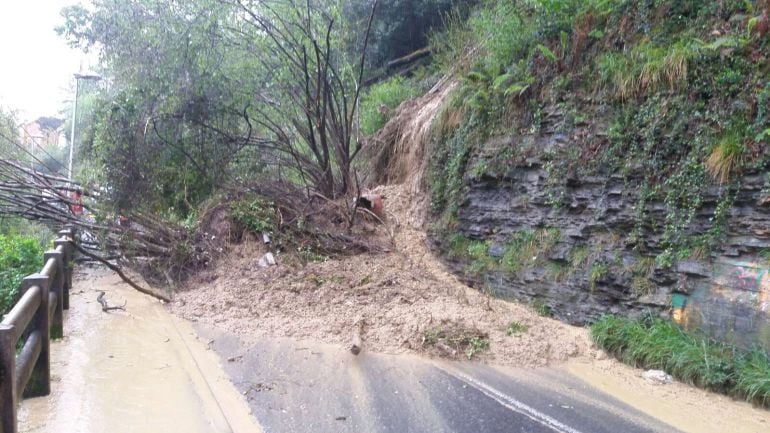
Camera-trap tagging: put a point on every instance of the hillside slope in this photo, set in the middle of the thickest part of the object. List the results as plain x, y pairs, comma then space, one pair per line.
608, 157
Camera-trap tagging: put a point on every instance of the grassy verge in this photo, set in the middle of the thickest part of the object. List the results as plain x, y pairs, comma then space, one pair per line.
655, 343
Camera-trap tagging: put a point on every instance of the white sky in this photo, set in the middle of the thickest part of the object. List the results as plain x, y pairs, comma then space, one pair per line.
36, 65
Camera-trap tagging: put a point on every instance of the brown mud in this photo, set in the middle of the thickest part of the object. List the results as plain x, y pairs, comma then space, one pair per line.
685, 407
401, 297
140, 369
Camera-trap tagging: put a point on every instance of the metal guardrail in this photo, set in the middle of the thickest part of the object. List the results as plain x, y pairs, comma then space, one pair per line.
35, 319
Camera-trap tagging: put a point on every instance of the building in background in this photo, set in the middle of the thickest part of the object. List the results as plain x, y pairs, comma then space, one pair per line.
46, 132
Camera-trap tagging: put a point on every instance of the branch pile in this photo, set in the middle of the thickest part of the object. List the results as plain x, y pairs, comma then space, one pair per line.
163, 251
133, 238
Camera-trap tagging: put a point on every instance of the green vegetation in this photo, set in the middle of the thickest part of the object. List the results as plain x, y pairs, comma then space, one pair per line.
380, 100
579, 256
515, 327
642, 271
655, 343
557, 271
475, 253
310, 255
598, 271
753, 377
727, 156
528, 247
541, 308
476, 345
19, 256
524, 249
647, 68
256, 215
237, 93
685, 106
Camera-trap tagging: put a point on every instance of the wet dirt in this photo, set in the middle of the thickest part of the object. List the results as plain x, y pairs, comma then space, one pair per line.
687, 408
141, 369
400, 296
288, 384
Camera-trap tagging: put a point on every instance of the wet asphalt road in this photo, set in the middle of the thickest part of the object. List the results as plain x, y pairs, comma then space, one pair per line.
306, 387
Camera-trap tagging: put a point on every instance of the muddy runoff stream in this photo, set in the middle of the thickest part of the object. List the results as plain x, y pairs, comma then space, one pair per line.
133, 370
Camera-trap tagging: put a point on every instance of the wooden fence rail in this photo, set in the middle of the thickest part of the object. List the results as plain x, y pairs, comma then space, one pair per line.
25, 369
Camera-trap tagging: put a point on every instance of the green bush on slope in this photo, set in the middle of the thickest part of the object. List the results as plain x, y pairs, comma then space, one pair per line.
380, 100
19, 257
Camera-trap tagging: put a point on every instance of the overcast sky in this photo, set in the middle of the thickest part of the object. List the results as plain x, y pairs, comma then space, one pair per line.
36, 65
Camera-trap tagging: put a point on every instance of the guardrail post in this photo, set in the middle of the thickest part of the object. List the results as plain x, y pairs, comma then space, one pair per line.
40, 381
7, 380
65, 236
57, 286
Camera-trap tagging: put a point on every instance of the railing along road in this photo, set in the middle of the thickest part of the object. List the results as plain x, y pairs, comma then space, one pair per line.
26, 331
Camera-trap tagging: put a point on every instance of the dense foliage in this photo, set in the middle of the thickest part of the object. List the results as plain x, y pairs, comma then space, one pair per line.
170, 120
380, 100
19, 256
683, 84
199, 94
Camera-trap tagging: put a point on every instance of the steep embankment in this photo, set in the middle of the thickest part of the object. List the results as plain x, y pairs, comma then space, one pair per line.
611, 157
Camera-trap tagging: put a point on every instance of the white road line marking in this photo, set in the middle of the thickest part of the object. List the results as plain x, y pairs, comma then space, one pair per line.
511, 403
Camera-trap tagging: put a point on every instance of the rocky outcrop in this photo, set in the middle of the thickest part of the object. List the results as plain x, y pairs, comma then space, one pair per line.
725, 291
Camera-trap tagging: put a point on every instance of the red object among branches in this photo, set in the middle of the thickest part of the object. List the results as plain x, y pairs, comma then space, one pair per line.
76, 207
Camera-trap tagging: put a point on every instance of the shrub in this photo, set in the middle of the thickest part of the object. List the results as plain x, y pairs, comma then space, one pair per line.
19, 257
256, 215
380, 100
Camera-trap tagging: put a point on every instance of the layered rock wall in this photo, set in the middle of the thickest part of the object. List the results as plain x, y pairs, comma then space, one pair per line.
725, 293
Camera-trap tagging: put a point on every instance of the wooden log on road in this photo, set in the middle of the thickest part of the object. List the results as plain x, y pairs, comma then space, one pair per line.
357, 343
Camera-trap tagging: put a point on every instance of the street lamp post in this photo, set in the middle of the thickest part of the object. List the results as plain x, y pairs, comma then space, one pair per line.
78, 77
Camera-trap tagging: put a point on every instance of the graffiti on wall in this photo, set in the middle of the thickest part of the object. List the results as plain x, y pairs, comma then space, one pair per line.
733, 305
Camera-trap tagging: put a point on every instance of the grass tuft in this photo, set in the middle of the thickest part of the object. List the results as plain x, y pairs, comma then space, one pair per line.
753, 377
727, 157
655, 343
647, 68
515, 327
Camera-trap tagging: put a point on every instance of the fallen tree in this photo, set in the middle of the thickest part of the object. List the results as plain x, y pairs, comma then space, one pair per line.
165, 252
56, 202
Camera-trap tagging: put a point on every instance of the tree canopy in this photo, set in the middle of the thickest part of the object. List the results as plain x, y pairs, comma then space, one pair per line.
200, 93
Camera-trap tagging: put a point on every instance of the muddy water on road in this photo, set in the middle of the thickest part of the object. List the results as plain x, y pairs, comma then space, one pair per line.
138, 370
687, 408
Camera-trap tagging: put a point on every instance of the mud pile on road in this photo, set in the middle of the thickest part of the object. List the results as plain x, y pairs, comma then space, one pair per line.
403, 298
